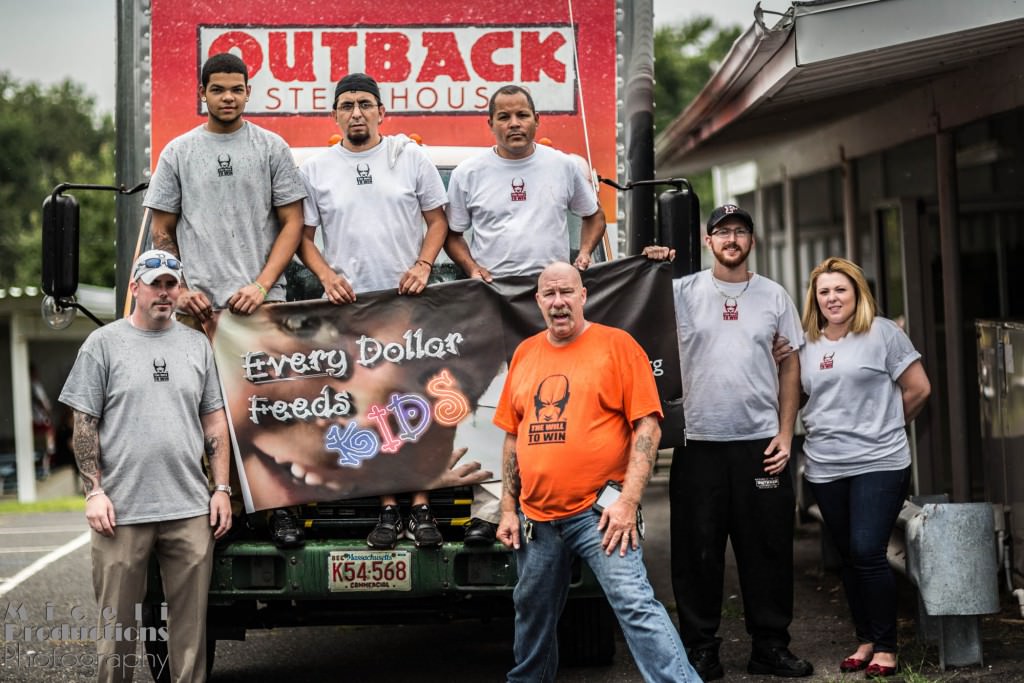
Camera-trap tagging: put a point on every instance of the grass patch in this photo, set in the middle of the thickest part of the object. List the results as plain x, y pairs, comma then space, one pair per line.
63, 504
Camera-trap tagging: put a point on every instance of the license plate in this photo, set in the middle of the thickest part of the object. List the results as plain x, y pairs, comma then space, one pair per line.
369, 570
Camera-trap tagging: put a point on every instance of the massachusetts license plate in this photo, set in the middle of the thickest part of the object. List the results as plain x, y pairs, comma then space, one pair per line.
369, 570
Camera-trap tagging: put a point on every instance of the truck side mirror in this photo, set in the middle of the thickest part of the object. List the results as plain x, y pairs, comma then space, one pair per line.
679, 227
60, 245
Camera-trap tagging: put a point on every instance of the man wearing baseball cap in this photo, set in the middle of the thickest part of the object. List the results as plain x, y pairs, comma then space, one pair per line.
147, 406
370, 196
730, 481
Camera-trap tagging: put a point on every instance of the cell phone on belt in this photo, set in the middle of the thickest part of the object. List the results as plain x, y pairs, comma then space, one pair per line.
607, 494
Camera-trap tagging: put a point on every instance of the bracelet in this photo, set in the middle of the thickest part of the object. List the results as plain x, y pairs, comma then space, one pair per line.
428, 264
262, 289
93, 494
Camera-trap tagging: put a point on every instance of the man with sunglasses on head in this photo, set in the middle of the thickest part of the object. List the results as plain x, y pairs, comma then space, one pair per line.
227, 198
730, 480
147, 406
378, 202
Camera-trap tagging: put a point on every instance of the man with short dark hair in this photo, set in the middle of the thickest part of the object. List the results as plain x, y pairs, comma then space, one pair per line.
587, 389
371, 196
516, 197
729, 481
226, 197
147, 405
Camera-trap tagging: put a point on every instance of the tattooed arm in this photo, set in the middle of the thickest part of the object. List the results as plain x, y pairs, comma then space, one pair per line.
99, 511
619, 519
218, 452
511, 487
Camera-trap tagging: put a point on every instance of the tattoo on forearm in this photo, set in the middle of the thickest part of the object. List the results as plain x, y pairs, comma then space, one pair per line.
164, 242
646, 447
86, 444
512, 483
210, 445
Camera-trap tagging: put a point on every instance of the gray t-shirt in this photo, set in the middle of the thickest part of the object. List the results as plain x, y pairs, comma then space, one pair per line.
854, 412
224, 188
730, 380
148, 390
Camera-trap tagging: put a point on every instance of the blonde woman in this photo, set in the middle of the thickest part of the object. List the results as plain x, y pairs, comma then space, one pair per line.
865, 382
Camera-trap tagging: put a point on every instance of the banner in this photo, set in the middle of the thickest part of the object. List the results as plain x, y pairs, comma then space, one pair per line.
382, 395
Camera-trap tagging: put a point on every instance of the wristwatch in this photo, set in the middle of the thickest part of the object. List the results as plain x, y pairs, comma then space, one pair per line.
223, 487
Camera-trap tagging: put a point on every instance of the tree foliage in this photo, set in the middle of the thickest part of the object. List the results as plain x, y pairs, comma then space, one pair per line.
50, 135
686, 55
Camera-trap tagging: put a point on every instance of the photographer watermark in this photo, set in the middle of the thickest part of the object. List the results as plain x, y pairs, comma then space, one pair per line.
50, 645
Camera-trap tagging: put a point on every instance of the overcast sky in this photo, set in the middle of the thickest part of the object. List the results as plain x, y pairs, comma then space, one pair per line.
47, 40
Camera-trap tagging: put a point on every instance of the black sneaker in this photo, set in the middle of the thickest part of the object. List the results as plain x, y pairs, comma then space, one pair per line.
284, 529
480, 533
422, 528
389, 527
778, 661
706, 663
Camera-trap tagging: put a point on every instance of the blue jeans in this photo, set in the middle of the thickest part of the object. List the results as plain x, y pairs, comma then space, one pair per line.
544, 565
859, 513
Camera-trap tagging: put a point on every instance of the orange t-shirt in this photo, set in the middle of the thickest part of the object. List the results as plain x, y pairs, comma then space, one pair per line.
572, 409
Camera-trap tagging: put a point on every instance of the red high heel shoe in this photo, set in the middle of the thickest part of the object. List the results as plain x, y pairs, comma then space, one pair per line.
879, 671
853, 664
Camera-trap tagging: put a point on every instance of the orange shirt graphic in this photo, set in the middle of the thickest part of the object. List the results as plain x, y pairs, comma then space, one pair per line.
571, 409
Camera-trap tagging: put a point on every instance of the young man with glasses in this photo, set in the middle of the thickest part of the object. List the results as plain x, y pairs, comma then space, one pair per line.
147, 405
226, 197
378, 202
730, 481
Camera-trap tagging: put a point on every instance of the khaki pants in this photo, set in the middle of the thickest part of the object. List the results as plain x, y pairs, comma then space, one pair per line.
184, 549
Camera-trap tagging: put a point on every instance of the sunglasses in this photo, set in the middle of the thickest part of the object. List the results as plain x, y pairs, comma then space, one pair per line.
156, 262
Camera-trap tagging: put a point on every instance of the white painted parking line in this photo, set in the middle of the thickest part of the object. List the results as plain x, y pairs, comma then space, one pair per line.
43, 562
28, 549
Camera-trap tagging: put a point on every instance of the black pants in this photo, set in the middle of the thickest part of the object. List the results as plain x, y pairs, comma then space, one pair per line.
720, 491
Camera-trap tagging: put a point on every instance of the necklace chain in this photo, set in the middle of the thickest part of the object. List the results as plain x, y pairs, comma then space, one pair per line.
731, 296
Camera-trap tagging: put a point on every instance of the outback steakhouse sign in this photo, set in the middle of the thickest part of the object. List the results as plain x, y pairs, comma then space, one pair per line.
437, 65
422, 70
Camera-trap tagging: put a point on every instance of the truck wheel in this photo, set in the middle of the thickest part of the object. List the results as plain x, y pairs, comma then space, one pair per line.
156, 650
586, 633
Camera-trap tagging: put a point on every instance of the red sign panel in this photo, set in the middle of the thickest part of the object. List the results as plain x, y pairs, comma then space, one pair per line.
437, 65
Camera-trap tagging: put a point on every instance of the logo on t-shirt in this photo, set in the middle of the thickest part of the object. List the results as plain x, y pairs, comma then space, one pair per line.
549, 407
363, 176
224, 165
764, 483
731, 309
518, 190
160, 373
826, 361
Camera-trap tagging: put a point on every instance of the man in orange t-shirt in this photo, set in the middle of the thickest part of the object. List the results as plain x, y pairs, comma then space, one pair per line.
580, 408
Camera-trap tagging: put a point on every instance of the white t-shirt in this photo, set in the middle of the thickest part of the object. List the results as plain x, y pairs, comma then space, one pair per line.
371, 213
854, 414
517, 208
730, 380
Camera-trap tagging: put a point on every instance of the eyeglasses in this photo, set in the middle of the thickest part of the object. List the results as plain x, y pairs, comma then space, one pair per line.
725, 233
364, 106
156, 262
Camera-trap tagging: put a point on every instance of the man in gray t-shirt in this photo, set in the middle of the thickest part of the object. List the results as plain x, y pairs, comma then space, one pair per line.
226, 197
147, 406
730, 481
